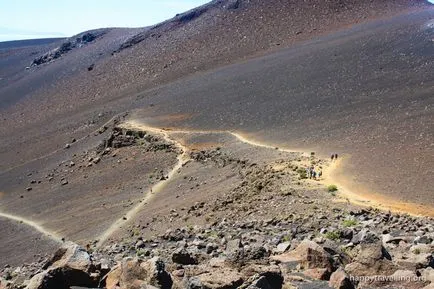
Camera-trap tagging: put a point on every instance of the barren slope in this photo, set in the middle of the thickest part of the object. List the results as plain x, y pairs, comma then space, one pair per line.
364, 91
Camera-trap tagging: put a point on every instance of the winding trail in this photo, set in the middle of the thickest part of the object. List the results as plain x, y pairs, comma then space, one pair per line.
345, 193
182, 159
355, 194
53, 236
331, 176
245, 140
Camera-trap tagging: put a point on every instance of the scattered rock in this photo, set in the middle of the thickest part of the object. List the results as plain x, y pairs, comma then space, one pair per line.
340, 280
365, 236
282, 247
308, 255
70, 266
222, 278
68, 45
182, 256
133, 272
373, 259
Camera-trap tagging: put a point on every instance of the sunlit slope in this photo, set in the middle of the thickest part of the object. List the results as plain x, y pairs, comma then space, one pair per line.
366, 92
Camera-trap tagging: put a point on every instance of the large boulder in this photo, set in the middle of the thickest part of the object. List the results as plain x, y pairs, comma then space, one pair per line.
128, 274
340, 280
234, 251
184, 257
158, 276
61, 278
134, 273
72, 256
262, 276
70, 266
308, 255
372, 259
365, 237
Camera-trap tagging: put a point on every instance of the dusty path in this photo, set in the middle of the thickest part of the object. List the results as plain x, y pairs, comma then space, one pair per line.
182, 159
330, 173
53, 236
349, 191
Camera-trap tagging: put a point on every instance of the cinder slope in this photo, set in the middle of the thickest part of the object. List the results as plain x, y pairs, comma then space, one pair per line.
364, 91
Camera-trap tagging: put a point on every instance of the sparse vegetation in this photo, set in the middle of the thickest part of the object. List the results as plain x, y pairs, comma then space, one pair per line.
212, 234
333, 235
286, 238
135, 232
349, 223
332, 188
302, 173
416, 251
142, 253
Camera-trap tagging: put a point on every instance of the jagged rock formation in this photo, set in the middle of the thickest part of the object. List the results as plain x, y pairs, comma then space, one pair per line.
68, 45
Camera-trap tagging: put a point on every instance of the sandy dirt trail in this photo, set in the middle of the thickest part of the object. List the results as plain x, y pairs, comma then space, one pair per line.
33, 225
182, 159
349, 191
331, 176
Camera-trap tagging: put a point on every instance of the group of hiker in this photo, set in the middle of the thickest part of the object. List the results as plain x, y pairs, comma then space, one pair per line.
312, 173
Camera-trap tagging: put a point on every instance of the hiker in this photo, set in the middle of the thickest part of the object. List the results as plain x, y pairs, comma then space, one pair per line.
333, 156
336, 156
319, 174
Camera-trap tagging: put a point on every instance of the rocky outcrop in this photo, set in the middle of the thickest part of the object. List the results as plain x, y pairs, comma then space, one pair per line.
70, 44
307, 255
134, 273
182, 256
70, 266
340, 280
372, 259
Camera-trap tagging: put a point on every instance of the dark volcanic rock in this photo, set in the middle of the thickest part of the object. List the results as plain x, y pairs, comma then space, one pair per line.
182, 256
71, 43
308, 255
340, 280
70, 266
